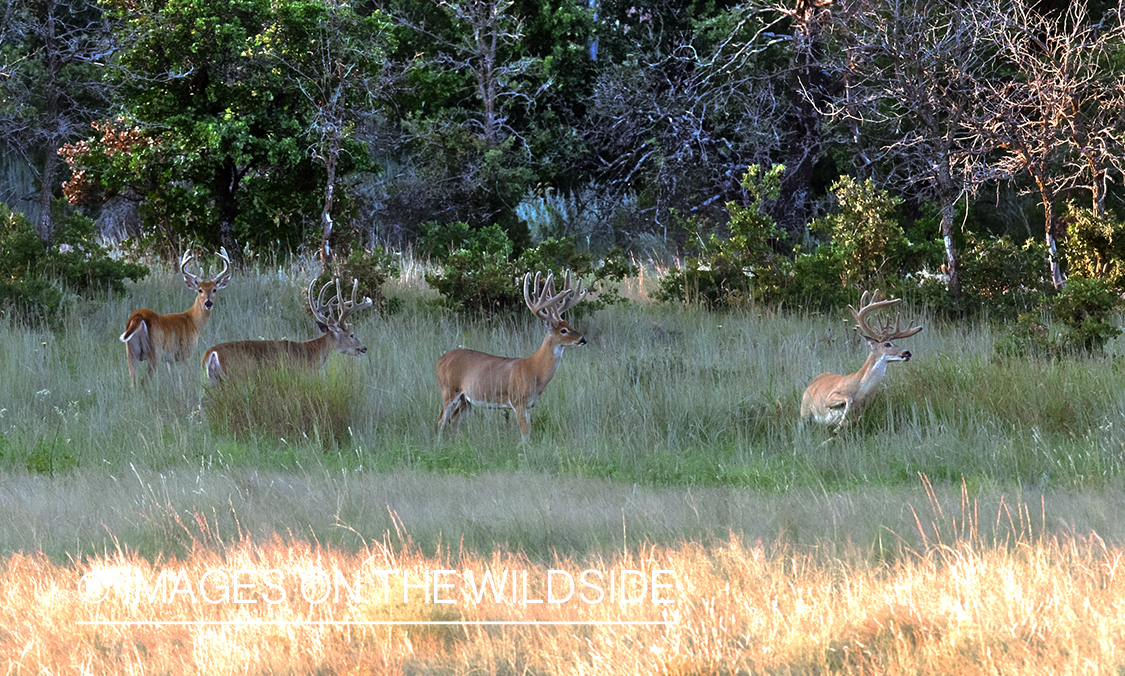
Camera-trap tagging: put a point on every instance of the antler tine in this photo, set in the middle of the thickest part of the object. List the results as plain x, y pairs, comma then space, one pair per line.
349, 307
871, 304
545, 304
532, 305
319, 309
571, 295
226, 264
899, 332
184, 260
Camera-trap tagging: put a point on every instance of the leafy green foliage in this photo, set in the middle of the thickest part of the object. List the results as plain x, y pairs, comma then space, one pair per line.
481, 275
730, 271
1083, 308
34, 273
1095, 247
1003, 278
867, 245
218, 119
49, 456
372, 268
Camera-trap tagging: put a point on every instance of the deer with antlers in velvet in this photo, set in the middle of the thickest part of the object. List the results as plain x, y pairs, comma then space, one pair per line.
156, 338
239, 357
469, 378
834, 399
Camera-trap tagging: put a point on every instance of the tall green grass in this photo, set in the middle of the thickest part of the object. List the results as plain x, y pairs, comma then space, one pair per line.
661, 395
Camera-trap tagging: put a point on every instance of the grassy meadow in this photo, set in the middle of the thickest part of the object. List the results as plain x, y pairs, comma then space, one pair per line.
970, 522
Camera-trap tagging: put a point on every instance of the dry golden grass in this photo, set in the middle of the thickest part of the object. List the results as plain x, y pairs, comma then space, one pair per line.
1036, 603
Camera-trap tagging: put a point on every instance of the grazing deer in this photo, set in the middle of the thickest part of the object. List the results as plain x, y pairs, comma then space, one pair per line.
470, 378
167, 338
227, 359
830, 397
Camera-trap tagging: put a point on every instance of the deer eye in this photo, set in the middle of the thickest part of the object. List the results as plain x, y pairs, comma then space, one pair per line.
563, 331
887, 344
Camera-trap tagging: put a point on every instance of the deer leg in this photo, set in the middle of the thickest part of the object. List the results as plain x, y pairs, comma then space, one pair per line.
523, 417
451, 413
843, 415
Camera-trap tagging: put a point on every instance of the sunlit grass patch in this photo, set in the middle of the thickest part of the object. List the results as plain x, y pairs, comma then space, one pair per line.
971, 590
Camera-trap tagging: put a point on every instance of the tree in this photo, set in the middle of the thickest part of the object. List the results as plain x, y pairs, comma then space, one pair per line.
809, 88
475, 86
681, 105
339, 76
912, 71
1059, 120
225, 130
51, 85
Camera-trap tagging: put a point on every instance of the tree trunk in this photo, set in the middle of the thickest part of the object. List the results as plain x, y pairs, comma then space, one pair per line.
1052, 246
952, 256
51, 112
326, 224
227, 181
802, 124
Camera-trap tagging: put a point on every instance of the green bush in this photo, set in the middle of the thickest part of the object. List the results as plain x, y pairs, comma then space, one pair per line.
1095, 247
741, 267
481, 276
1083, 307
1003, 278
865, 243
33, 273
372, 269
440, 241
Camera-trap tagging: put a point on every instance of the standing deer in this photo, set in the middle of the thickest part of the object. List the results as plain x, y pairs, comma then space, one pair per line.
228, 359
168, 338
469, 378
830, 397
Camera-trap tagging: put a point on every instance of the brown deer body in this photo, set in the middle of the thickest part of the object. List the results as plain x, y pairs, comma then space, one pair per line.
831, 398
239, 357
170, 338
470, 378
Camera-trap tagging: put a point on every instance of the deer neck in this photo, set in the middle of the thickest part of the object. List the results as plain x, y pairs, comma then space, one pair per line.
199, 313
316, 351
546, 359
870, 374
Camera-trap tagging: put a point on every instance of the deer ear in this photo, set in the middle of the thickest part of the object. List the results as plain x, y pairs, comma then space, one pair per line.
190, 283
322, 326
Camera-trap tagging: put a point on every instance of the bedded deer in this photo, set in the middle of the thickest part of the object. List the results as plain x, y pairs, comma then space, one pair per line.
169, 338
830, 398
239, 357
469, 378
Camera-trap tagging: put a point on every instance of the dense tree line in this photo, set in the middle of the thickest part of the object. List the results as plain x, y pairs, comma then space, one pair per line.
631, 123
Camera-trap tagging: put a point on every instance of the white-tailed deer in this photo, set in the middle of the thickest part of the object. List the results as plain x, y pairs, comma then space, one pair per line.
830, 398
239, 357
156, 338
469, 378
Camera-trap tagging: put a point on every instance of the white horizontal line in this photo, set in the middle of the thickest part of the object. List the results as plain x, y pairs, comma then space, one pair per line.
355, 623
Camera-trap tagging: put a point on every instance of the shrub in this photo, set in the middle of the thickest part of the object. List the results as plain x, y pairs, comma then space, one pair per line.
737, 269
1095, 247
372, 268
1003, 278
33, 272
1084, 306
867, 246
480, 275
